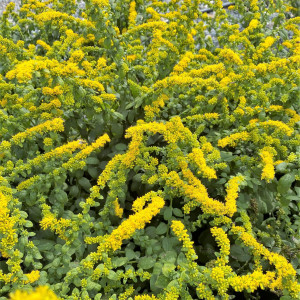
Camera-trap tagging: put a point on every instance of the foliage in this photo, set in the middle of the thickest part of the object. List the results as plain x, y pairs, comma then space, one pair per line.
142, 158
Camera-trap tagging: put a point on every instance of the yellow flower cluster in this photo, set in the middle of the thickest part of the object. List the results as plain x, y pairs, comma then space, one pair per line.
7, 224
145, 297
230, 56
197, 157
252, 281
59, 152
27, 183
132, 15
268, 172
32, 277
52, 91
41, 292
181, 233
54, 125
223, 242
284, 270
127, 228
233, 138
77, 161
118, 209
232, 194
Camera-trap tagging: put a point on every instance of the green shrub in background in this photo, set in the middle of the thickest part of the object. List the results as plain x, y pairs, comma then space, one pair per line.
149, 150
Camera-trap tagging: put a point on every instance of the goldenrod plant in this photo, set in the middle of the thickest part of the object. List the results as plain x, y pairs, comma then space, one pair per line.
150, 150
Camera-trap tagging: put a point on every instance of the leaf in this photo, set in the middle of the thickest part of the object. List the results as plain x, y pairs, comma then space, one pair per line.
44, 245
281, 167
181, 259
151, 231
85, 183
112, 275
177, 212
92, 161
119, 261
74, 191
93, 172
239, 253
121, 147
118, 115
169, 243
130, 254
168, 268
117, 130
162, 281
168, 213
107, 43
146, 263
285, 183
169, 256
161, 228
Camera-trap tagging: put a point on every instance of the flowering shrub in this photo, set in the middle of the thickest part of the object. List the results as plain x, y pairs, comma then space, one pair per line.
142, 158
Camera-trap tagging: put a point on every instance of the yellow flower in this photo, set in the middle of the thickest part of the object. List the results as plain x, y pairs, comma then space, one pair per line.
132, 15
232, 194
118, 209
268, 172
129, 226
180, 231
32, 277
223, 242
41, 292
230, 56
233, 138
198, 158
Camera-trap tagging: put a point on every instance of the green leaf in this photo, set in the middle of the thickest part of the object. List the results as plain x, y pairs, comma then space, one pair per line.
146, 263
118, 115
74, 191
93, 172
239, 253
169, 243
169, 256
162, 281
92, 161
44, 245
168, 268
161, 228
117, 130
112, 275
130, 254
107, 43
168, 213
177, 212
281, 167
121, 147
119, 261
181, 259
285, 183
85, 183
